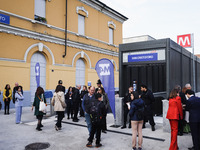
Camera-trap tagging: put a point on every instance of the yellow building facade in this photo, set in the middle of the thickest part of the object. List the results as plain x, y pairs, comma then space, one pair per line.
36, 33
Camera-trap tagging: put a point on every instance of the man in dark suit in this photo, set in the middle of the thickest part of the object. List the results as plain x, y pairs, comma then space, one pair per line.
148, 98
126, 102
76, 102
193, 106
60, 82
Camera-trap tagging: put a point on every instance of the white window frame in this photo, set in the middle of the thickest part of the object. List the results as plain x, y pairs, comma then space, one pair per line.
81, 24
111, 36
40, 8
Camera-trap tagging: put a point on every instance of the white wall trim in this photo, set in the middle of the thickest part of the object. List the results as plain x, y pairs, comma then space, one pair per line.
40, 49
113, 61
52, 39
83, 9
63, 65
82, 52
53, 27
13, 60
112, 23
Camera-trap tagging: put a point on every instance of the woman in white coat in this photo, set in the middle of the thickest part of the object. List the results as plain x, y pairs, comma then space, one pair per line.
58, 99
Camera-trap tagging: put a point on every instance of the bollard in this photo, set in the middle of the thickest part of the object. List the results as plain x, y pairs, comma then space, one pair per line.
52, 112
118, 111
166, 125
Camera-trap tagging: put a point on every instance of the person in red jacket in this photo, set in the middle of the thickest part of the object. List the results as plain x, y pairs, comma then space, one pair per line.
174, 113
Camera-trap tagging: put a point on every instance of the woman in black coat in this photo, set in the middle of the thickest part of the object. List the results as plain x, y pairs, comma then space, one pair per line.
39, 96
69, 102
106, 104
83, 92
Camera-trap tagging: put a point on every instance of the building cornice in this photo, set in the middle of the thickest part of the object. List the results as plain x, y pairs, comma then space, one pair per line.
54, 27
52, 39
96, 4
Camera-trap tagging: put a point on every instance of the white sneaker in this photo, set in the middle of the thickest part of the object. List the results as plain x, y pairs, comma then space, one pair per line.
21, 122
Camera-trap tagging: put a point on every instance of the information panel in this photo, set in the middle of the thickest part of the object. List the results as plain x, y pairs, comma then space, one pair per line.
143, 56
4, 19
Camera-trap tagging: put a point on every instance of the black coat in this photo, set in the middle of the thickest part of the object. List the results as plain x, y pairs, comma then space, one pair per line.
68, 98
86, 102
76, 96
193, 106
83, 93
126, 99
101, 110
183, 98
148, 97
63, 88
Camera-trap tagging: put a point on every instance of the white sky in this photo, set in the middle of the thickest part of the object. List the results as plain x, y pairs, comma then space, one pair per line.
160, 18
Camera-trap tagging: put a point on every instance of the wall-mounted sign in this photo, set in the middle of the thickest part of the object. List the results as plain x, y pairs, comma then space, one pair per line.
89, 83
143, 57
4, 19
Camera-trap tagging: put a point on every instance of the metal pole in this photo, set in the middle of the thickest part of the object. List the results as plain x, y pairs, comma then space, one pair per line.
65, 31
192, 36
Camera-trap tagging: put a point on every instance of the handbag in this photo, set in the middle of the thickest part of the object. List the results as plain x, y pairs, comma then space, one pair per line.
42, 106
62, 103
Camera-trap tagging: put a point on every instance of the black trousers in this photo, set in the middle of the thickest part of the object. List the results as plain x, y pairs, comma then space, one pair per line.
150, 119
69, 109
148, 115
195, 131
82, 114
59, 118
6, 106
126, 111
76, 108
96, 128
104, 124
180, 126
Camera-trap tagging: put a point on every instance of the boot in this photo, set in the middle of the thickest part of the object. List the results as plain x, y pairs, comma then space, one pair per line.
153, 128
38, 128
124, 126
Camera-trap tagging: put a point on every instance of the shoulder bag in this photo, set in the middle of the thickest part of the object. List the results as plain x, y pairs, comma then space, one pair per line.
62, 103
42, 106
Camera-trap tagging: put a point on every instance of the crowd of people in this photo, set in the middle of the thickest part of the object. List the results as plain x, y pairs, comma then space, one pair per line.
93, 104
139, 108
183, 114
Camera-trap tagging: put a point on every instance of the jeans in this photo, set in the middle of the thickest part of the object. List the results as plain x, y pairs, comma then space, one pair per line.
88, 121
18, 112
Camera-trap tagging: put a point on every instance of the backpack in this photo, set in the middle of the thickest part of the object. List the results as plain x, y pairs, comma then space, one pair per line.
94, 111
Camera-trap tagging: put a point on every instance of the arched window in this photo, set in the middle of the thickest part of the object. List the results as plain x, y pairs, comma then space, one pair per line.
80, 72
38, 74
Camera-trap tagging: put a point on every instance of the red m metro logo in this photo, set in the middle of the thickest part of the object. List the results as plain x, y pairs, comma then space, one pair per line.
184, 40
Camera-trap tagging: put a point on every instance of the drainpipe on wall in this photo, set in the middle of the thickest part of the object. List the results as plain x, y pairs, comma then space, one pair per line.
65, 32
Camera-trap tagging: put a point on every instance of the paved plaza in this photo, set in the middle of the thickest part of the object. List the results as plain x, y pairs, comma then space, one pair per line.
73, 136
